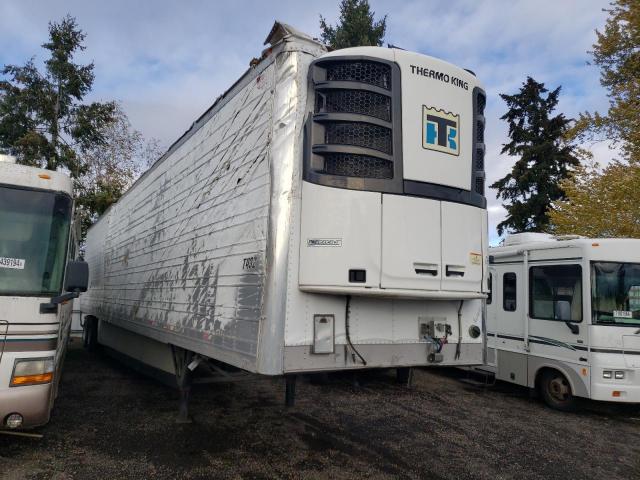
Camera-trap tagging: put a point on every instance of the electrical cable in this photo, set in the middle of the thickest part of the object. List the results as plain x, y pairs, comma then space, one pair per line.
458, 347
346, 328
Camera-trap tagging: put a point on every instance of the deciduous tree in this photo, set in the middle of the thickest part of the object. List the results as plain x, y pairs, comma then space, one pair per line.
606, 202
617, 53
600, 203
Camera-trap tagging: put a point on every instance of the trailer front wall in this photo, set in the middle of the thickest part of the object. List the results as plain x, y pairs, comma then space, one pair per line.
180, 258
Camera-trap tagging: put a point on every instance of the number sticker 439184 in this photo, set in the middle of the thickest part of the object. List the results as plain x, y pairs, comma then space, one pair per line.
15, 263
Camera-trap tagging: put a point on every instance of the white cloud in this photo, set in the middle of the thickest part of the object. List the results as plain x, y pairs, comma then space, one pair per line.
167, 61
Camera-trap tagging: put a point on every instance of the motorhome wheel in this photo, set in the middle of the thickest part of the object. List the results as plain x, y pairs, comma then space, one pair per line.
556, 391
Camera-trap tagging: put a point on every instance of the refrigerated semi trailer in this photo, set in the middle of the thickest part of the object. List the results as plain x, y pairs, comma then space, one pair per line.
326, 213
37, 264
564, 317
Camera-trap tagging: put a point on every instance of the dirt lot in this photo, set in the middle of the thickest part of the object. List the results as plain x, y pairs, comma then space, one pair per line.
112, 423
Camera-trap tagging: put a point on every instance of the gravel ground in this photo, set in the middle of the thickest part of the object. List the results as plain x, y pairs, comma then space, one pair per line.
110, 422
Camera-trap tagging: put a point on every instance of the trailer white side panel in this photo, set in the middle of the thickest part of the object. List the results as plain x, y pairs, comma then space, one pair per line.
184, 250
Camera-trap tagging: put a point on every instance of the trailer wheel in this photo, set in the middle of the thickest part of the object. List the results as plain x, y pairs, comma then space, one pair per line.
90, 334
556, 391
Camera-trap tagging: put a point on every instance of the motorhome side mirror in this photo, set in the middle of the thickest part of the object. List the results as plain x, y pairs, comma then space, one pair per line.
563, 312
77, 278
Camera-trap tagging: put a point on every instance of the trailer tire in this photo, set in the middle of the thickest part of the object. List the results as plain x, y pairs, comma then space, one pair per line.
90, 334
556, 391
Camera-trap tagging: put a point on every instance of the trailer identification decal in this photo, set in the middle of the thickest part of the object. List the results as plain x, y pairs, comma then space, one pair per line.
475, 258
15, 263
324, 242
440, 130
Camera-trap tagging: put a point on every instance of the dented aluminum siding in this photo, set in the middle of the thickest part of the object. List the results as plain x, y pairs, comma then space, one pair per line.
189, 253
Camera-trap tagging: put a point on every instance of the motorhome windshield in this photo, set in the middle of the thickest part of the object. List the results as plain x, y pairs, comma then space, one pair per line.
34, 233
615, 293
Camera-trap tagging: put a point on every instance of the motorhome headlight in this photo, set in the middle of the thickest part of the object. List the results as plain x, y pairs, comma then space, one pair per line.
619, 375
606, 374
13, 420
32, 371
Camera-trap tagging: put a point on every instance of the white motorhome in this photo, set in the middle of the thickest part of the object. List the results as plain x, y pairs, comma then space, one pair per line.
36, 239
326, 213
564, 317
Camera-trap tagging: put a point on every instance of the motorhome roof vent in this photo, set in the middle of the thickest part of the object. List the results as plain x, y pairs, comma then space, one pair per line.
7, 158
528, 237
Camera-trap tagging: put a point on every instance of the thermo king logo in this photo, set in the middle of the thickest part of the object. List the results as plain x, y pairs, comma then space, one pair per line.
440, 130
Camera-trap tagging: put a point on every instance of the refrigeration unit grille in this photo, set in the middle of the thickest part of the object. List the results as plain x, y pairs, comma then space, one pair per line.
351, 165
478, 174
360, 135
480, 159
481, 103
355, 101
353, 139
480, 131
372, 73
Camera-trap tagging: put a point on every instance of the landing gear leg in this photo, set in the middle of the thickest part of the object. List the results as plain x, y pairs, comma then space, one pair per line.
181, 360
404, 376
290, 390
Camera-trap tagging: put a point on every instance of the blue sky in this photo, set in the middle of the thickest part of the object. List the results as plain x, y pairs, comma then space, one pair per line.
167, 61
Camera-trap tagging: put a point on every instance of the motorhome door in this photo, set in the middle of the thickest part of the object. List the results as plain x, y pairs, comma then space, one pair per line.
557, 329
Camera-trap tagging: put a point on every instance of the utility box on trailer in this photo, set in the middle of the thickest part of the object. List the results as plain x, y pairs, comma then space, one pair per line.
321, 215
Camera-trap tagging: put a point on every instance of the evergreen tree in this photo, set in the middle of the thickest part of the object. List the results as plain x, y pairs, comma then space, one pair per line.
355, 28
545, 159
44, 123
42, 118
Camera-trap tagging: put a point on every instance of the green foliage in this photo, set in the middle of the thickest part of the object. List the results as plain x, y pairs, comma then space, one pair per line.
606, 202
355, 28
111, 166
545, 159
44, 123
600, 203
42, 119
617, 53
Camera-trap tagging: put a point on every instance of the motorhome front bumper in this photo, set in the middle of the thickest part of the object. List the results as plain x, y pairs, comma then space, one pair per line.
616, 384
31, 402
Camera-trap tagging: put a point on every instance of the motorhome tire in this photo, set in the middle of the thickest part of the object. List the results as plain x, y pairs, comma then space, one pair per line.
556, 391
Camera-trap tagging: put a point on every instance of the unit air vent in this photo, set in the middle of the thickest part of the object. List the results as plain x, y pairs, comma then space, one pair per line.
350, 165
478, 174
373, 73
359, 134
354, 101
353, 138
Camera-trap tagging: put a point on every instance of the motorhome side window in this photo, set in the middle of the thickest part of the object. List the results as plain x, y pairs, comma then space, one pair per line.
490, 289
555, 292
509, 292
